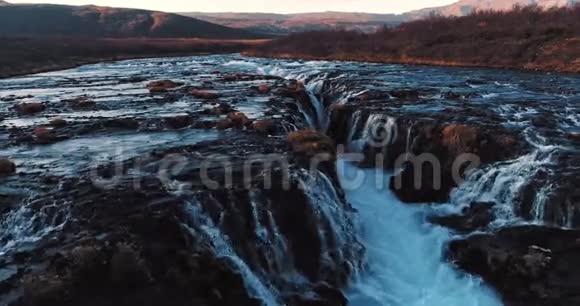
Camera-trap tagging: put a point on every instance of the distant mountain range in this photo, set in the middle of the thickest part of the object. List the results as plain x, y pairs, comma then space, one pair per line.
38, 20
287, 23
466, 7
281, 24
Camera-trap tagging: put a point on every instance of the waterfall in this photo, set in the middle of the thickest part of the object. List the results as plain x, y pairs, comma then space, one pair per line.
503, 182
27, 225
379, 130
333, 218
223, 249
404, 253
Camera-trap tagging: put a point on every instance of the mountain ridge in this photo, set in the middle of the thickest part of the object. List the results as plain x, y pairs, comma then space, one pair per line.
40, 20
366, 22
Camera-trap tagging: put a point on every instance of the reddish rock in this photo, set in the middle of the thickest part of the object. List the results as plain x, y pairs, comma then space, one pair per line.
29, 108
232, 77
263, 126
57, 122
7, 167
44, 135
238, 119
162, 86
204, 94
444, 144
264, 88
81, 103
223, 124
309, 143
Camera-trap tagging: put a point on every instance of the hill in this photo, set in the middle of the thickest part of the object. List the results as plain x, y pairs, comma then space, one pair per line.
281, 24
527, 38
466, 7
291, 23
42, 20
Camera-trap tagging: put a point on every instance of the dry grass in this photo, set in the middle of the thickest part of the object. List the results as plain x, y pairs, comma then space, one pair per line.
528, 38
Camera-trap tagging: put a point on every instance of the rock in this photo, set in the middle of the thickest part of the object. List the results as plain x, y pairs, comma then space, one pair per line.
527, 265
238, 119
44, 135
477, 216
264, 126
179, 122
223, 124
81, 103
309, 143
338, 129
121, 123
264, 88
57, 122
544, 121
29, 108
222, 109
204, 94
574, 135
162, 86
232, 77
440, 155
7, 167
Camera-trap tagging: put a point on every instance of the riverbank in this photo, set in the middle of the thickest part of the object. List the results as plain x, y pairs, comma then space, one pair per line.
526, 38
22, 56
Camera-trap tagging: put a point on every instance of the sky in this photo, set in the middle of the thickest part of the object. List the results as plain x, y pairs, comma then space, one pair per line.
267, 6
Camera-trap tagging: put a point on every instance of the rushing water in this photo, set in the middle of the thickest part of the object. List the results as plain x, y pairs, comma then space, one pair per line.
405, 264
404, 253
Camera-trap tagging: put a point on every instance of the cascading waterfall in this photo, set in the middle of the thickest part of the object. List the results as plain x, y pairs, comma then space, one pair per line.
222, 248
25, 226
332, 217
404, 253
502, 183
379, 129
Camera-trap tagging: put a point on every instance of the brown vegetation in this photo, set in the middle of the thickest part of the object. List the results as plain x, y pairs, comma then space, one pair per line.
20, 56
528, 38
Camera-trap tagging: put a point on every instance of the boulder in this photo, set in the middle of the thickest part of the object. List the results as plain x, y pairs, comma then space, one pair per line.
179, 122
29, 108
204, 94
7, 167
162, 86
81, 103
44, 135
57, 122
223, 124
264, 88
309, 143
528, 265
238, 119
445, 146
263, 126
221, 109
574, 135
477, 216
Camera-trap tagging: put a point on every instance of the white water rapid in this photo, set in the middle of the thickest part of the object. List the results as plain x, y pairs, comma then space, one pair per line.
405, 264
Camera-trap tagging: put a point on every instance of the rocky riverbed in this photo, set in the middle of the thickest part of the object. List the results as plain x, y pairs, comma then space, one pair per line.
190, 181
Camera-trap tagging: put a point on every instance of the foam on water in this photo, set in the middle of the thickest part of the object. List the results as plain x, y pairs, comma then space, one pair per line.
405, 260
